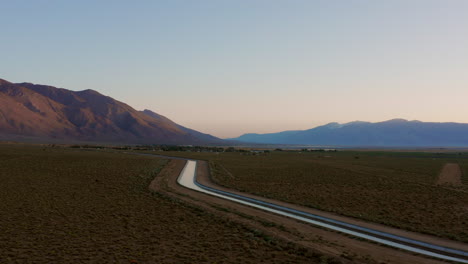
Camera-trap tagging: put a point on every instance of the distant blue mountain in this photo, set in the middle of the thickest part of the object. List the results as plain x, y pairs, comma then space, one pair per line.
391, 133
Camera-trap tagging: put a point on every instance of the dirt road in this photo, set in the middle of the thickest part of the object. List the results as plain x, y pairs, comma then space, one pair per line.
450, 175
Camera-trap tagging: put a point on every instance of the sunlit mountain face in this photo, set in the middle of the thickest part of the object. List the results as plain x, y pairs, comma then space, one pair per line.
47, 112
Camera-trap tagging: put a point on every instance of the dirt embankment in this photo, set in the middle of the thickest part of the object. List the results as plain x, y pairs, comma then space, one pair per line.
450, 175
338, 246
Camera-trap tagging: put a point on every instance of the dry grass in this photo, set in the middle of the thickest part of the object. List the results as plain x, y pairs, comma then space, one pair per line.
396, 189
65, 206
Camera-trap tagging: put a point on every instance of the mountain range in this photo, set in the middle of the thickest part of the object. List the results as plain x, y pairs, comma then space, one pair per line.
391, 133
32, 112
42, 112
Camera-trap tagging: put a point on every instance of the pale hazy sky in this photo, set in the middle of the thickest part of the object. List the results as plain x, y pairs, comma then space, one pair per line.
232, 67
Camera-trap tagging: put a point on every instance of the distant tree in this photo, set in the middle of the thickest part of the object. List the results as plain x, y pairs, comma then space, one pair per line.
230, 149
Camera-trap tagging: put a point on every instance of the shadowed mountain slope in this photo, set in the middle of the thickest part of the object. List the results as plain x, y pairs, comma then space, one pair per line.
47, 112
392, 133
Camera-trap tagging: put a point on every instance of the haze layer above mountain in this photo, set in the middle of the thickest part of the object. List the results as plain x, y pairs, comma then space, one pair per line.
392, 133
46, 112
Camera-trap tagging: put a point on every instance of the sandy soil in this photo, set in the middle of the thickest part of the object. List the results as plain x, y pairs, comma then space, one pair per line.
339, 246
450, 175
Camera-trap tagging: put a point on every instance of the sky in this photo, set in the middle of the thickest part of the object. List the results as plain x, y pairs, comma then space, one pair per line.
249, 66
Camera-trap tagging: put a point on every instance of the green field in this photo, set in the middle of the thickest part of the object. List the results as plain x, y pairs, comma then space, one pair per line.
64, 206
393, 188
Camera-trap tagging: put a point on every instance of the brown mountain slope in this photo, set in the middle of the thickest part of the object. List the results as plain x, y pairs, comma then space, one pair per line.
202, 136
47, 112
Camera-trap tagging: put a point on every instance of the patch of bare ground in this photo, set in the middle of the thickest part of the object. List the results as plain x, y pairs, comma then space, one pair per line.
318, 241
450, 175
